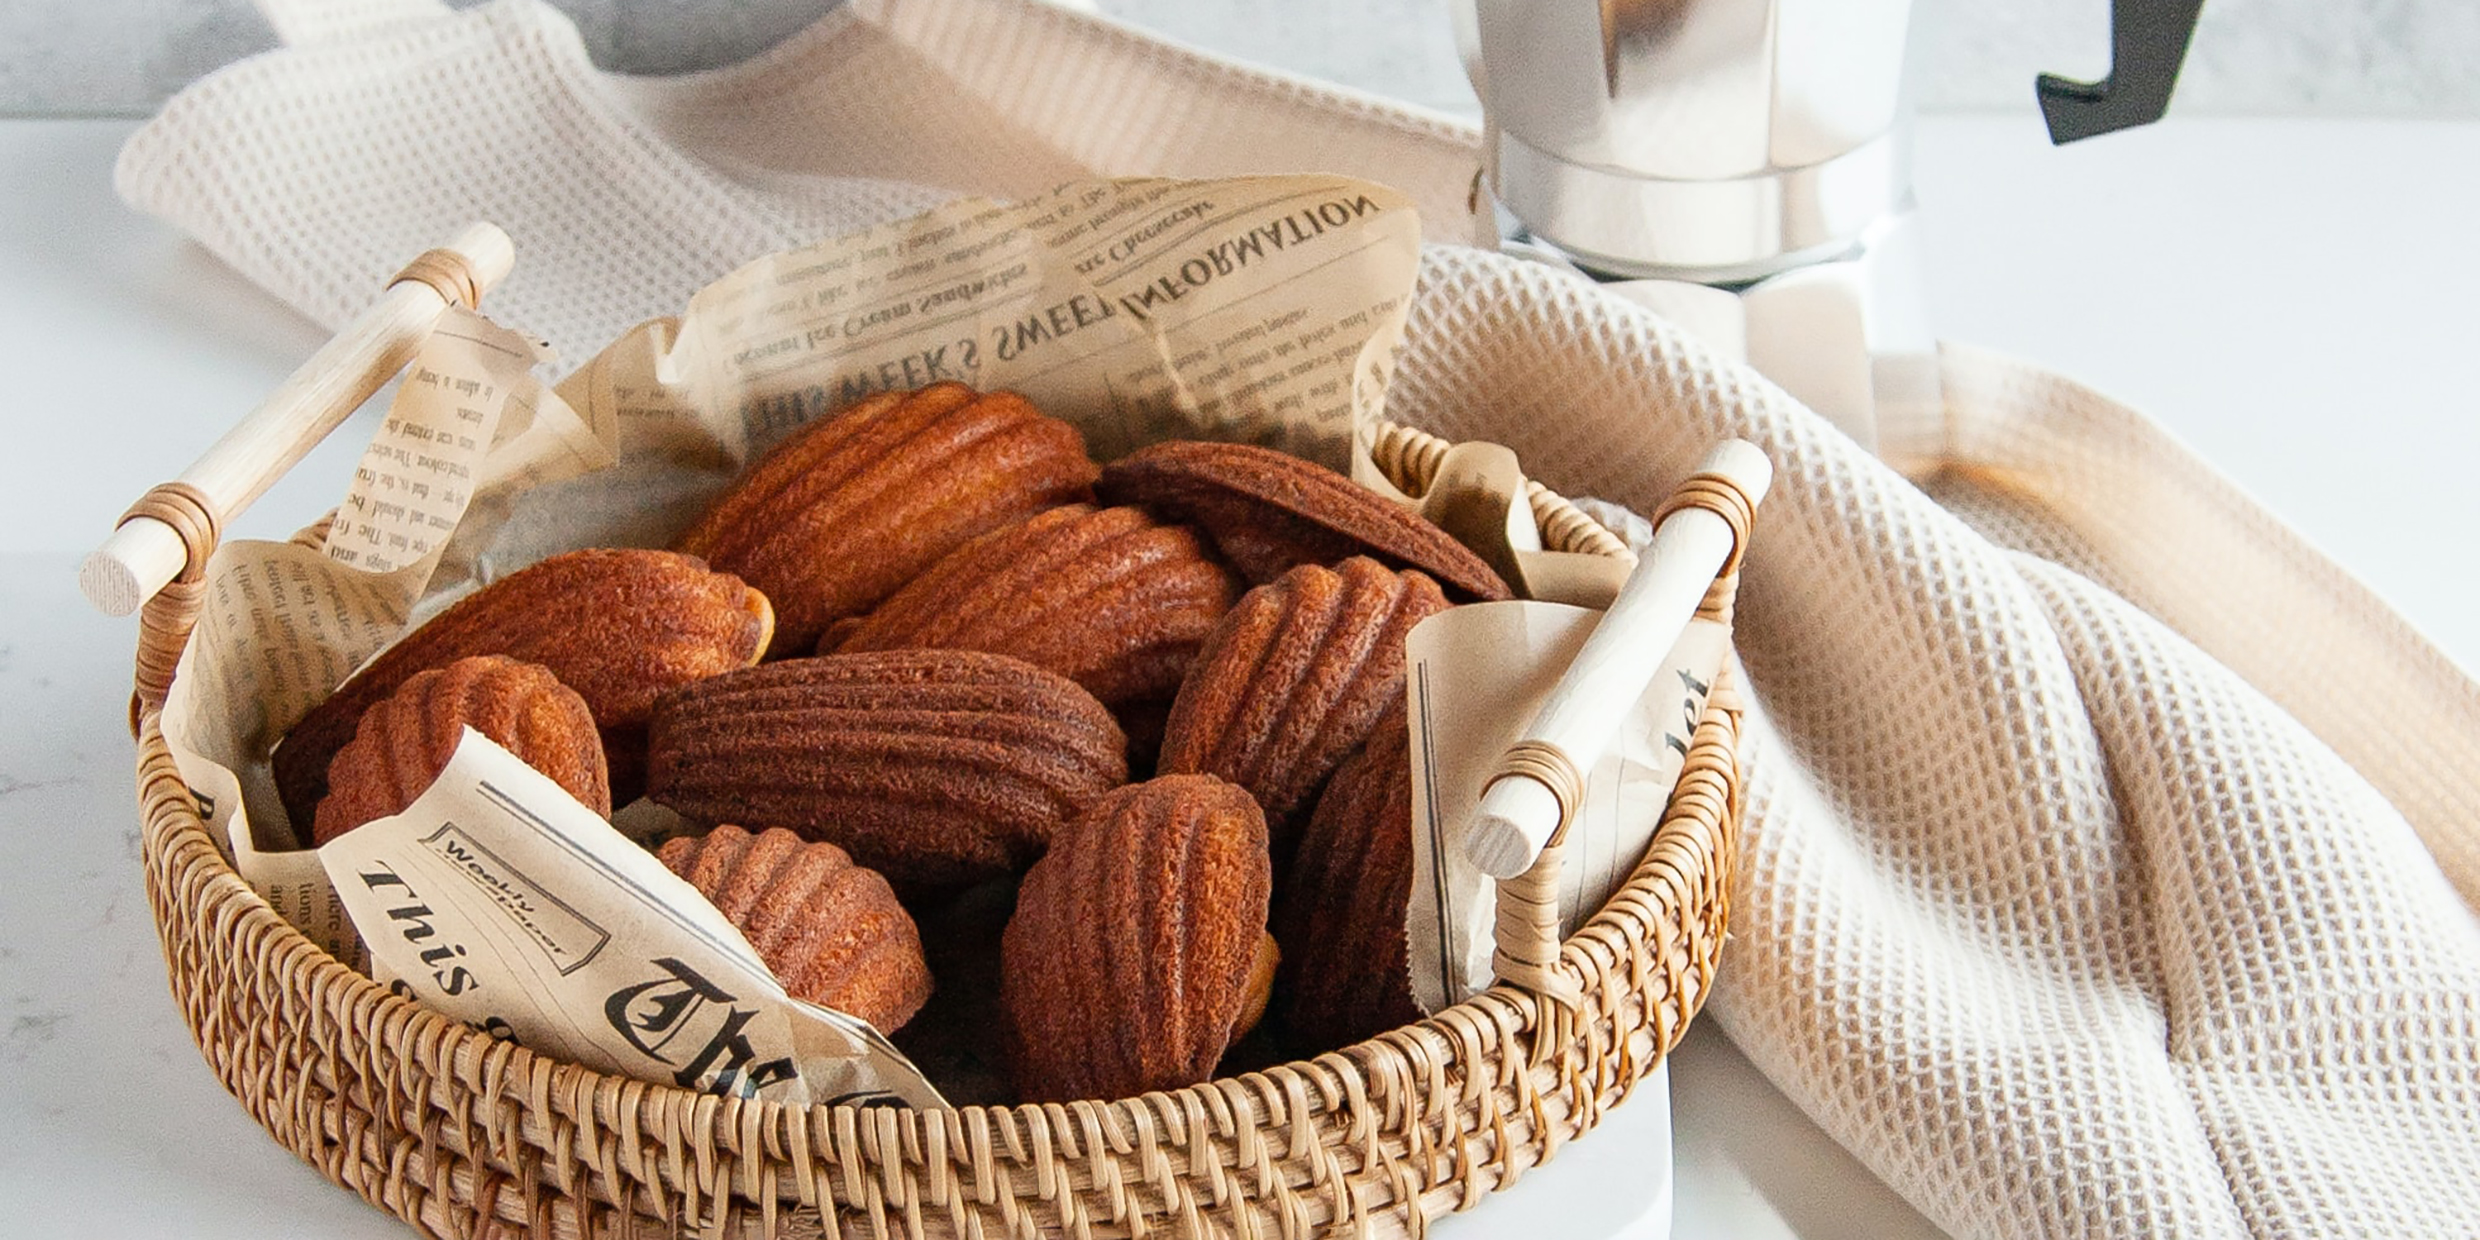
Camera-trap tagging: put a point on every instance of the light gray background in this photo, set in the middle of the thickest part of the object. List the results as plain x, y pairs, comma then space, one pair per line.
2260, 57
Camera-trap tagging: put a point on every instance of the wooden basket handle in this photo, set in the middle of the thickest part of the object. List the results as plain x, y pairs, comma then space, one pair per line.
160, 538
155, 562
1690, 569
1724, 492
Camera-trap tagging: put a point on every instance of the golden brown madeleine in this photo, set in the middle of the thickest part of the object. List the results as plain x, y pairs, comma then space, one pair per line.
929, 766
1267, 511
618, 626
830, 930
1107, 598
836, 518
1292, 681
1126, 965
1346, 971
403, 742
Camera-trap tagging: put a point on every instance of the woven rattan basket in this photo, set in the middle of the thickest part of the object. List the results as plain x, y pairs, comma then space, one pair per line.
460, 1135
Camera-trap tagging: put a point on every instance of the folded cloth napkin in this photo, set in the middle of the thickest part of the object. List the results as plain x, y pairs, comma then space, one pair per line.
2110, 855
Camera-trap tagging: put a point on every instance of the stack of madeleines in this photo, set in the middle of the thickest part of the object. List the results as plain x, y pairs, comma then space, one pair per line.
925, 649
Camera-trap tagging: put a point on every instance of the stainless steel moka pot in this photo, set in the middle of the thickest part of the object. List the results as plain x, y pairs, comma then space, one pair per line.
1743, 166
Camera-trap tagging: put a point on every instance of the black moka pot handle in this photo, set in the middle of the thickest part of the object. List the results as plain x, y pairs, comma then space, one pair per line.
2148, 41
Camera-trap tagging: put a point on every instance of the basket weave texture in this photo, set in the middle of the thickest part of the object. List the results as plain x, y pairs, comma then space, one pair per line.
463, 1136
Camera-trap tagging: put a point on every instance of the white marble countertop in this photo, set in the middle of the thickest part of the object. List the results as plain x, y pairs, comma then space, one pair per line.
2290, 297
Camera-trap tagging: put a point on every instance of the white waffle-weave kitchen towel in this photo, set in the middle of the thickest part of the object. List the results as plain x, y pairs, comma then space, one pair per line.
2111, 855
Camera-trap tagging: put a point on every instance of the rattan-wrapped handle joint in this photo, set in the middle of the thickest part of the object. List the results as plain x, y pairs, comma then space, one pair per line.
1525, 949
164, 623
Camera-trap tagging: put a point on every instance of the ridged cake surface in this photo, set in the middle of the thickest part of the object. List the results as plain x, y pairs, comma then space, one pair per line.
618, 626
831, 931
1108, 598
1267, 511
1293, 680
932, 766
402, 743
836, 518
1126, 966
1346, 970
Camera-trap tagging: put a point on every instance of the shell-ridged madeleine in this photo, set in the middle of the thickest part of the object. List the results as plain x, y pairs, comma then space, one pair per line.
829, 930
1268, 511
932, 766
618, 626
1292, 681
403, 743
836, 518
1105, 597
1346, 971
1127, 963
